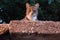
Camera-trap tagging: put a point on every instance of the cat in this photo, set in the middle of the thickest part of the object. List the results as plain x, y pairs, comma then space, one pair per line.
31, 12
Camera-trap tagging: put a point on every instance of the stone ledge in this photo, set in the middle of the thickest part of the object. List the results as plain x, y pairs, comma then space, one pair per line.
30, 30
39, 30
3, 28
46, 27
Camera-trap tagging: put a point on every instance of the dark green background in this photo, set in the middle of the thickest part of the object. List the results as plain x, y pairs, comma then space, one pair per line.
15, 9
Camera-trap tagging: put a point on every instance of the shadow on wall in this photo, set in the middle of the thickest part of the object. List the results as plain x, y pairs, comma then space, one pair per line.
34, 36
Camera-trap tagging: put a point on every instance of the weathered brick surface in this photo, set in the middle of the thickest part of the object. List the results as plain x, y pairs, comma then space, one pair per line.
39, 30
3, 28
48, 27
29, 30
4, 34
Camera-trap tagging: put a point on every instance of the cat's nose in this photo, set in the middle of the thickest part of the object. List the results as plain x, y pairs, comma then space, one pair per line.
34, 11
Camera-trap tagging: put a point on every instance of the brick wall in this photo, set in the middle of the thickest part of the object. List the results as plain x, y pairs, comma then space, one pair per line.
30, 30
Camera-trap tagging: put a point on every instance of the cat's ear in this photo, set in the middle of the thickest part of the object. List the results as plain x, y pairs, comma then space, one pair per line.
28, 8
27, 5
37, 5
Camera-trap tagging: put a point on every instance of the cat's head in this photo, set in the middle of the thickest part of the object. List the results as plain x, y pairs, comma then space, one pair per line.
31, 9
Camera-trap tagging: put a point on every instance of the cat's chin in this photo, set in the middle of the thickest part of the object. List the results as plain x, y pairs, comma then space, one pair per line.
34, 18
